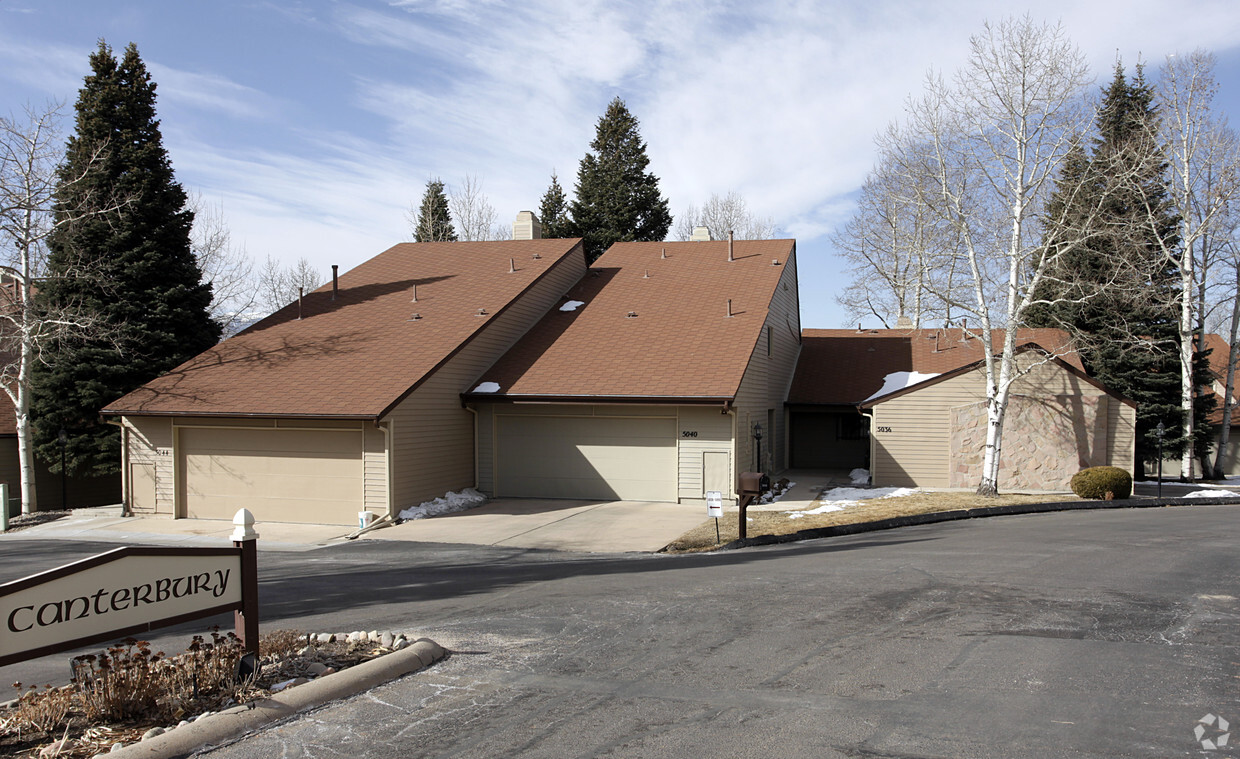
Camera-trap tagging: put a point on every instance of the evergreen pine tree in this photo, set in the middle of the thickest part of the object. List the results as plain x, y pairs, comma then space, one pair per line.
434, 218
1102, 206
553, 211
617, 199
143, 284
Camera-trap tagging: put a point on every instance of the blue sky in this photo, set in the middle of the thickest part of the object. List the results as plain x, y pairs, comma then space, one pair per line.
316, 124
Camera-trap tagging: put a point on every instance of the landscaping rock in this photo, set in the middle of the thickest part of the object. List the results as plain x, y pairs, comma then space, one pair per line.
317, 668
154, 731
373, 636
203, 716
116, 747
322, 638
54, 748
387, 639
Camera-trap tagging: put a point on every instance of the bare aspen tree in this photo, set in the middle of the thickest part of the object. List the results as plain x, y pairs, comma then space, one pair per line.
227, 267
31, 148
721, 215
997, 138
1204, 183
280, 285
473, 215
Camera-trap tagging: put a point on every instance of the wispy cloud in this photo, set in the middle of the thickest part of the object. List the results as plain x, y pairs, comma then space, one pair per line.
210, 92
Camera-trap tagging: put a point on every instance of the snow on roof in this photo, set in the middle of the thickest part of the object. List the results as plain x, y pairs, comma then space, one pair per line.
487, 387
898, 381
572, 305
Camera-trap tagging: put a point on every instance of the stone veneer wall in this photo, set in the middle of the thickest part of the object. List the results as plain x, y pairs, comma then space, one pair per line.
1045, 441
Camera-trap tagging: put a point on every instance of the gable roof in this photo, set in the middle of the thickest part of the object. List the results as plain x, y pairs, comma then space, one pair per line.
679, 344
847, 367
358, 355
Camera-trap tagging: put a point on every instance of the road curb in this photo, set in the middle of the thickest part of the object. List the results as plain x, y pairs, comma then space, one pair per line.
219, 728
978, 513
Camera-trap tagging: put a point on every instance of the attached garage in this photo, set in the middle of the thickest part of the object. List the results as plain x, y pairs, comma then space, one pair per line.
288, 475
608, 458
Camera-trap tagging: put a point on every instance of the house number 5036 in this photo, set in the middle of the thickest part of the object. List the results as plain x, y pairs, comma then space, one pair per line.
884, 429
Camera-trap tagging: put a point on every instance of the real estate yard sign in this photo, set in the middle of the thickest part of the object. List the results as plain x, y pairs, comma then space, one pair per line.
126, 591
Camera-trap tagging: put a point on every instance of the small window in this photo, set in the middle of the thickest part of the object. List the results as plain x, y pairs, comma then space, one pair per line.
852, 428
768, 342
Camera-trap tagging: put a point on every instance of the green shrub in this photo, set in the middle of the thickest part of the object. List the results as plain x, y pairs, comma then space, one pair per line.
1102, 482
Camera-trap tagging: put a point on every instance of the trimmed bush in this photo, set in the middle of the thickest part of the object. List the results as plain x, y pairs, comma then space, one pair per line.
1102, 483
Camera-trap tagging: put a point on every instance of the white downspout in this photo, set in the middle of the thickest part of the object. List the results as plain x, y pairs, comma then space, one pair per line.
474, 412
126, 510
873, 457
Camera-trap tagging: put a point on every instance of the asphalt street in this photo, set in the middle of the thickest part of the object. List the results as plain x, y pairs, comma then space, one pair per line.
1080, 634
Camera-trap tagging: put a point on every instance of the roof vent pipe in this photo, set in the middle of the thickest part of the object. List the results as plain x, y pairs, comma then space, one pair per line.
729, 308
335, 280
730, 257
301, 293
664, 254
415, 293
512, 266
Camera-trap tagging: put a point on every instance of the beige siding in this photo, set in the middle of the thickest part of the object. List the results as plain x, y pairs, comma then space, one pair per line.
1122, 435
701, 431
374, 469
150, 443
433, 436
764, 387
912, 433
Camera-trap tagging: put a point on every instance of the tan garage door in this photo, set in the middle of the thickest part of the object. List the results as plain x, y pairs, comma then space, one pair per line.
614, 459
310, 476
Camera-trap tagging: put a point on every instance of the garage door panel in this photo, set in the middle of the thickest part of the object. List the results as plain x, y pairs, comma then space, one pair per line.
593, 457
281, 475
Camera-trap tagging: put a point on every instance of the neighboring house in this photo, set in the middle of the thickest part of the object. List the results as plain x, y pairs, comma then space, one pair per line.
77, 491
910, 406
348, 401
649, 379
1220, 351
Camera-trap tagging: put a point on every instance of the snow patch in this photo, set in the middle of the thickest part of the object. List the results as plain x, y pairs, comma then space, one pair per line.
449, 503
860, 476
838, 499
572, 305
900, 380
487, 387
1204, 494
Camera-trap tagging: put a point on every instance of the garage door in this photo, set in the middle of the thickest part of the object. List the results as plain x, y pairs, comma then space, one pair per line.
280, 475
614, 459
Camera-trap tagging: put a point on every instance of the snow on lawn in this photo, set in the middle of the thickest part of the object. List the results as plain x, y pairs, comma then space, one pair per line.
900, 380
487, 387
1205, 494
838, 499
466, 499
572, 305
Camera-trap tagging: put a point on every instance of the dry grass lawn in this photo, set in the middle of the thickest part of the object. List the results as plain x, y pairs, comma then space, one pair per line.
702, 537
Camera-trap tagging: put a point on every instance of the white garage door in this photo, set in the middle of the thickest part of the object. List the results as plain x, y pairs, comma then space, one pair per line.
613, 459
287, 475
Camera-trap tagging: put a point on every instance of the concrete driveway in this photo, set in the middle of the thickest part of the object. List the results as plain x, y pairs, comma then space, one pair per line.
561, 525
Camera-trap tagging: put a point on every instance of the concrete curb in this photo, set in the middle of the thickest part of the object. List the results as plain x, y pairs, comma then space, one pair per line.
218, 728
979, 513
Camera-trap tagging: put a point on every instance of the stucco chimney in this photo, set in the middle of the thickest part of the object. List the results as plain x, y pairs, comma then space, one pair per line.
700, 234
526, 227
903, 322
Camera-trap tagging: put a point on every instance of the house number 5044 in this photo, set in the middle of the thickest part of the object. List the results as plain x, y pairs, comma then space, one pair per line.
884, 429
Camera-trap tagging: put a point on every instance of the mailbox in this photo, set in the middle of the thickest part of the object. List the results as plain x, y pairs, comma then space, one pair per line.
751, 483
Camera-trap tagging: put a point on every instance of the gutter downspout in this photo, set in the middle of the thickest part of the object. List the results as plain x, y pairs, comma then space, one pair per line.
870, 415
474, 411
386, 426
125, 502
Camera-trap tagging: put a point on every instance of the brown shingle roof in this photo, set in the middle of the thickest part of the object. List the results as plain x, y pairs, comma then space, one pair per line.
846, 366
1220, 351
681, 343
357, 355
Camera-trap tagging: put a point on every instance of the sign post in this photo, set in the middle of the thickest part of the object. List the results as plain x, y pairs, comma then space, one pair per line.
714, 508
128, 591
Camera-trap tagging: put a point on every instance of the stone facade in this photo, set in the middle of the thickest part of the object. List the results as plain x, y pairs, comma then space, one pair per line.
1045, 441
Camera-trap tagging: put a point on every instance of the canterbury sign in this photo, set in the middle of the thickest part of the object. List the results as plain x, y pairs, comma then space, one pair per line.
123, 592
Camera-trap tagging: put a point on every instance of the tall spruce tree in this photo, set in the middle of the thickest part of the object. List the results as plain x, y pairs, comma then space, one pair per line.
434, 222
144, 285
1126, 337
553, 211
617, 199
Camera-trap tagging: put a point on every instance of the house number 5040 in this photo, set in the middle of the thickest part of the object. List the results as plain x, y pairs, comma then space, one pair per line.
688, 433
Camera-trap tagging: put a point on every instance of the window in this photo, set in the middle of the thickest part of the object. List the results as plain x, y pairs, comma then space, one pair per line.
768, 342
852, 427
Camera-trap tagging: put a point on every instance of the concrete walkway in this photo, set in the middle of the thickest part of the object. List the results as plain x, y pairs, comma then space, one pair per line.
589, 526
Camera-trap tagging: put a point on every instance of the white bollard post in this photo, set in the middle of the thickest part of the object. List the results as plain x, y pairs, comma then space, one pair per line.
4, 506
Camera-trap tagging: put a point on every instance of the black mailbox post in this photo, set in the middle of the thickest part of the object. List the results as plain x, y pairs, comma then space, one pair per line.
752, 485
